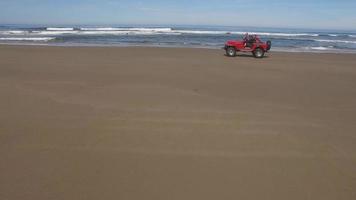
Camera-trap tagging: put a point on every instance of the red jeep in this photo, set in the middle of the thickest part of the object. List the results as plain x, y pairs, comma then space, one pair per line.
250, 43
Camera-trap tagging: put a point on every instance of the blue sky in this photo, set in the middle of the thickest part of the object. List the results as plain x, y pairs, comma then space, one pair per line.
325, 14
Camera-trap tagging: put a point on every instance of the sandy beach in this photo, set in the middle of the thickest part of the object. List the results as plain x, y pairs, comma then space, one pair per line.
175, 124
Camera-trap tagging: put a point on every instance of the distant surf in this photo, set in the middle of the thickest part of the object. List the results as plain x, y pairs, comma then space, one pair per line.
337, 41
44, 39
59, 29
179, 36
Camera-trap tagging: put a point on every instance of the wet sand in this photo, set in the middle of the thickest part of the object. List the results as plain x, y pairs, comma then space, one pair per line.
165, 123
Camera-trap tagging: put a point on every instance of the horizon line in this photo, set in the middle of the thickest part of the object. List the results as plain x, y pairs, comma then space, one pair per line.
173, 24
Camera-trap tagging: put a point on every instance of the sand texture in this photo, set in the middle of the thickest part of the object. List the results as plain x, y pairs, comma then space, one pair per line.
87, 123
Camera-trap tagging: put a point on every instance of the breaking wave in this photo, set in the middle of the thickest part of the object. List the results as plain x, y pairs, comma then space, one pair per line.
337, 41
214, 37
45, 39
15, 32
321, 48
59, 29
58, 32
128, 29
143, 31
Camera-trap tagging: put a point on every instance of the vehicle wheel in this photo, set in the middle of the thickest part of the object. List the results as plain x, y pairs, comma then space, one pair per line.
231, 52
269, 45
258, 53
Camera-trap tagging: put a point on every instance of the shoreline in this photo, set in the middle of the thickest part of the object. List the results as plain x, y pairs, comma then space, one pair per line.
210, 37
167, 46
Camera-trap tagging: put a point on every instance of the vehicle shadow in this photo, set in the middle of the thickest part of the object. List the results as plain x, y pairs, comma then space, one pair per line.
245, 56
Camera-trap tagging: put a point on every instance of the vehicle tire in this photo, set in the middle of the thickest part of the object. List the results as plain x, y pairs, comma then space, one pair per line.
269, 45
258, 53
231, 52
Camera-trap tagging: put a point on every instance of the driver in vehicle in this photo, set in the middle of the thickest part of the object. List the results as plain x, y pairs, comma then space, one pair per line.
248, 40
245, 39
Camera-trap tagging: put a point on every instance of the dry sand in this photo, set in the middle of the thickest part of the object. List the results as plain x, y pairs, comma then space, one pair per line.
165, 124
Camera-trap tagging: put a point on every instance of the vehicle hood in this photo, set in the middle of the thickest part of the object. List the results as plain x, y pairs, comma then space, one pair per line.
233, 42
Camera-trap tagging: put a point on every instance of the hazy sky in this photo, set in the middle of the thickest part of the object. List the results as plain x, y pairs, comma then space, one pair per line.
337, 14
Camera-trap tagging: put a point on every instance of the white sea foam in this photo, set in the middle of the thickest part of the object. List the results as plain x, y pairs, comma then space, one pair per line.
166, 30
53, 32
27, 39
103, 32
171, 31
151, 31
352, 35
60, 29
242, 33
280, 34
128, 29
321, 48
100, 29
145, 31
201, 32
106, 32
15, 32
337, 41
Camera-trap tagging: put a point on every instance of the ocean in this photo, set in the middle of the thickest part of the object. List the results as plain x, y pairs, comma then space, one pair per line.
290, 40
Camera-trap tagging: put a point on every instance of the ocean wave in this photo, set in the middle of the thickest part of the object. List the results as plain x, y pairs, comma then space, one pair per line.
58, 33
59, 29
45, 39
128, 29
115, 33
107, 32
101, 29
321, 48
147, 31
53, 32
15, 32
329, 35
337, 41
309, 41
201, 32
175, 31
243, 33
279, 34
